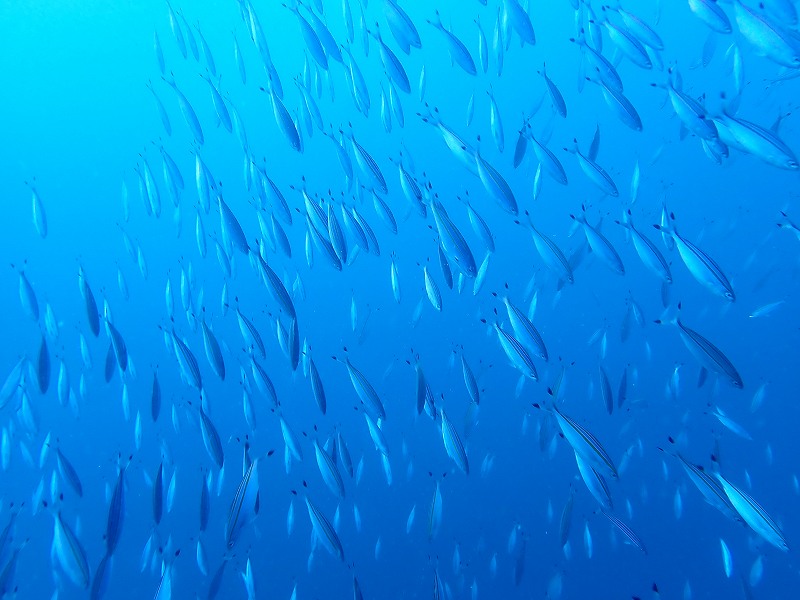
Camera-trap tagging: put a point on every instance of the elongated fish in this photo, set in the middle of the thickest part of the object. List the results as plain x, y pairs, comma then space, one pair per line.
702, 267
452, 444
584, 443
366, 393
755, 516
70, 554
708, 355
244, 506
324, 531
458, 51
600, 245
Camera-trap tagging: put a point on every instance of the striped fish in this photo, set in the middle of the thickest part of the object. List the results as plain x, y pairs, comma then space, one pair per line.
68, 472
649, 254
605, 390
434, 513
377, 436
497, 187
291, 440
755, 516
89, 302
118, 343
516, 353
116, 513
329, 471
549, 161
629, 533
595, 482
432, 290
469, 381
370, 171
596, 174
708, 354
458, 51
213, 351
452, 241
551, 254
525, 331
424, 395
453, 445
601, 246
584, 443
712, 491
366, 393
276, 288
211, 439
316, 386
70, 554
402, 27
187, 362
233, 236
244, 506
250, 334
702, 267
324, 531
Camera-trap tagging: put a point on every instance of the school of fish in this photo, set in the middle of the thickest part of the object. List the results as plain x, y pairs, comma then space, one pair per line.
333, 354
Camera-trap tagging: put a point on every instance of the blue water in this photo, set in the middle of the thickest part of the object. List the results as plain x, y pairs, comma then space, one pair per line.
79, 123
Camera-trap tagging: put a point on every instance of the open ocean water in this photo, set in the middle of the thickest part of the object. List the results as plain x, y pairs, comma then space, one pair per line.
394, 299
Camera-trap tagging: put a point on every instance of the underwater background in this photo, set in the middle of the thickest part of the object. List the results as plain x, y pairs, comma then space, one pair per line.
399, 299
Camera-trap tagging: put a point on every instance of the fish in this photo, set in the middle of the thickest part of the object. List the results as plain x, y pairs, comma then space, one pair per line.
702, 267
628, 44
707, 354
70, 554
548, 160
596, 174
496, 185
756, 140
752, 514
189, 115
584, 443
495, 121
712, 14
769, 39
595, 482
278, 209
211, 439
329, 471
520, 21
452, 443
452, 241
116, 513
365, 392
600, 245
649, 254
393, 67
27, 297
525, 331
516, 353
213, 352
69, 473
551, 254
324, 531
456, 48
555, 94
402, 27
627, 531
244, 506
727, 559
